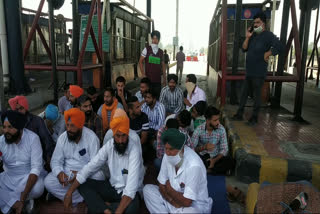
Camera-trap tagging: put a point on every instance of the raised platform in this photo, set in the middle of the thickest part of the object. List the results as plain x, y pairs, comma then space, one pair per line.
277, 149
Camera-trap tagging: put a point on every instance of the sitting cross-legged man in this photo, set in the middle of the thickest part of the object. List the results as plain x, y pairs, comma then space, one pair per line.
182, 179
74, 149
123, 156
211, 143
21, 153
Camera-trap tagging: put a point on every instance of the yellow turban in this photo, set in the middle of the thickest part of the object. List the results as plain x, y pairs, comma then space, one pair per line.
120, 122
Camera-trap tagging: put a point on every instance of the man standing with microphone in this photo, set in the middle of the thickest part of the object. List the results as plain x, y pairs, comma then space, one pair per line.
259, 44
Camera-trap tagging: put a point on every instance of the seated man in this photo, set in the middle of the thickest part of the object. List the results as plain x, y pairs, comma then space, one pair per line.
21, 154
122, 155
139, 121
210, 140
155, 111
197, 113
144, 86
74, 149
194, 93
64, 103
121, 93
182, 180
75, 93
35, 124
106, 110
172, 96
93, 121
96, 98
171, 123
184, 120
54, 121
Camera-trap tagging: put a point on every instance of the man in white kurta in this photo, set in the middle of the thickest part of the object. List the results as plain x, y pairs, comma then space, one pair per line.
70, 155
22, 164
182, 180
122, 154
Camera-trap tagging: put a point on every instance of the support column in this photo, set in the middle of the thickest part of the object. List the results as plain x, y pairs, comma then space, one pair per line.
18, 83
53, 52
304, 29
281, 58
236, 48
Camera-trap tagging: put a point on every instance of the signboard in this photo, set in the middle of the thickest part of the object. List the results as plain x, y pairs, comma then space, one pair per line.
105, 35
175, 41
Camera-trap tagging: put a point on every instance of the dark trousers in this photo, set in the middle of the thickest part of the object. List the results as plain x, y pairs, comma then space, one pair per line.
157, 88
96, 193
221, 167
251, 85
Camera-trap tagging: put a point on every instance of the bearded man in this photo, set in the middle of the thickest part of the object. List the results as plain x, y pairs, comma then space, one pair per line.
93, 121
122, 155
74, 149
21, 153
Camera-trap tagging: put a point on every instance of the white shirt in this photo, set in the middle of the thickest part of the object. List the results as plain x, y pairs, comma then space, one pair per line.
131, 161
197, 95
69, 155
191, 179
22, 159
139, 96
154, 47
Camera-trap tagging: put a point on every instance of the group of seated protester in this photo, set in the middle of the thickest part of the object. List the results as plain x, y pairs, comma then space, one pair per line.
95, 148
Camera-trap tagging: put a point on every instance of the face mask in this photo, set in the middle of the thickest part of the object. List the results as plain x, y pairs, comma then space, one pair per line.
258, 29
177, 159
154, 45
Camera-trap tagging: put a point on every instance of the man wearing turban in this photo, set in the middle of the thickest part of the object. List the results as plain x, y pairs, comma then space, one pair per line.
75, 93
154, 65
21, 153
54, 121
74, 149
182, 179
35, 124
122, 155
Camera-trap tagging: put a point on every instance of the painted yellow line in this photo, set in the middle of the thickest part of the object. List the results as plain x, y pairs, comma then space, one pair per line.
274, 170
316, 175
252, 144
252, 197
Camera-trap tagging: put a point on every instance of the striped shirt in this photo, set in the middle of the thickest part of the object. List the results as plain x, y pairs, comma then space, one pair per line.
156, 115
217, 137
172, 100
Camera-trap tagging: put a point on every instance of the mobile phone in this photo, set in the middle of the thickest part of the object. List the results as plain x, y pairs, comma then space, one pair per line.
251, 28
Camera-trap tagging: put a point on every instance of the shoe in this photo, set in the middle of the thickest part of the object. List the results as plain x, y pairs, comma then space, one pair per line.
252, 121
237, 117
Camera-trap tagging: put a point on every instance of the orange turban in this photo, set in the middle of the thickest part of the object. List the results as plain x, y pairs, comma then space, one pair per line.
75, 91
21, 100
76, 116
120, 122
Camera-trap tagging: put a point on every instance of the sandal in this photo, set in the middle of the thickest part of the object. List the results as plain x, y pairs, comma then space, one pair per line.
239, 196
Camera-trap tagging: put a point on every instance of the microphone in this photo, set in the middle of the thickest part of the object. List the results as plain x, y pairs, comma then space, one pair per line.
299, 202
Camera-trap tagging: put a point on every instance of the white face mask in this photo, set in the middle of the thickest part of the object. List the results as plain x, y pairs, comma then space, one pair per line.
154, 45
174, 160
258, 29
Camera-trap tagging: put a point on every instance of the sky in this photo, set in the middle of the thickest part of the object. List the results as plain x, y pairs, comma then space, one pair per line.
194, 18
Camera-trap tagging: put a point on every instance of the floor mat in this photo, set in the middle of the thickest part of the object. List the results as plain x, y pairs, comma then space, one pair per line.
217, 191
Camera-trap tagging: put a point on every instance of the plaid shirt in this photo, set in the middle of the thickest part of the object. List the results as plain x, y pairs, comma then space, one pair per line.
160, 146
95, 124
218, 137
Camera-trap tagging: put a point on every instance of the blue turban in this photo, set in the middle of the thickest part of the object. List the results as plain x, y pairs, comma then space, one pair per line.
52, 112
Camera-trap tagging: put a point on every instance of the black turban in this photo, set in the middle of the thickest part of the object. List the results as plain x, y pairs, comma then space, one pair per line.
155, 33
16, 119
